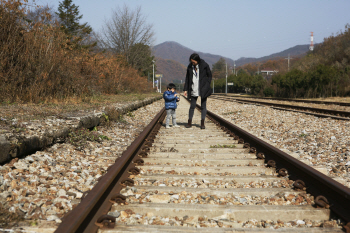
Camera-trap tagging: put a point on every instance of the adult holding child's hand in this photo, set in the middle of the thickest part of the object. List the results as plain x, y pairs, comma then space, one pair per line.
197, 83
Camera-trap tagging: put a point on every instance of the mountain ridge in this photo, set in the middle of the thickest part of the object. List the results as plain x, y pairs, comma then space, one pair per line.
172, 58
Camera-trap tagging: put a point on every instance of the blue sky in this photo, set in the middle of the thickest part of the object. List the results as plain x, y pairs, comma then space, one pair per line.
230, 28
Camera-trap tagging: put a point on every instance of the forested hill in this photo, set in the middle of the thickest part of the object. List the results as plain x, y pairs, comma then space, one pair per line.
177, 52
172, 71
296, 51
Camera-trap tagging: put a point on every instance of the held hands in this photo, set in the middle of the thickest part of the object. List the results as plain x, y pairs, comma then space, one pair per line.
185, 93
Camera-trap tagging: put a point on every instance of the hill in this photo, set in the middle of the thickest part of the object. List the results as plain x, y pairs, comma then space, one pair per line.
171, 70
172, 59
177, 52
296, 51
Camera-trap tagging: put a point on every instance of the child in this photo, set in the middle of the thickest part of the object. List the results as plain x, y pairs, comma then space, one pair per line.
170, 97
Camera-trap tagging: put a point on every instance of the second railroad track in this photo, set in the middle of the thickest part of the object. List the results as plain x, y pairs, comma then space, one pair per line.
319, 112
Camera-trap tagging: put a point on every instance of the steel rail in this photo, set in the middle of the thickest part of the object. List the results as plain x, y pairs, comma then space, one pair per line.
317, 184
317, 111
291, 100
97, 202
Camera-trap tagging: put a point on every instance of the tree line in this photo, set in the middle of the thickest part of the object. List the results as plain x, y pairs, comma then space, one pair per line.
324, 72
49, 54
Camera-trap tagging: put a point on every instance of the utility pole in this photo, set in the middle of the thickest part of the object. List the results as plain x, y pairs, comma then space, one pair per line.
288, 60
153, 73
160, 85
226, 77
213, 85
234, 68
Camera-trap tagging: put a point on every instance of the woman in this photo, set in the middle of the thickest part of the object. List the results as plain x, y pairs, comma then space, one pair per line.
198, 79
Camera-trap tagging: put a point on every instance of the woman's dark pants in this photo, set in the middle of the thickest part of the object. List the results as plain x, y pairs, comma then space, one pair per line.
193, 106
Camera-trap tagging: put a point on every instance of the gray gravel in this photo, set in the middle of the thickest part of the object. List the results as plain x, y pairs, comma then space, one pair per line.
48, 184
319, 142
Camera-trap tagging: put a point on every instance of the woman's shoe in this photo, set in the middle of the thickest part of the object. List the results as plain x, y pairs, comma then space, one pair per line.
189, 124
202, 124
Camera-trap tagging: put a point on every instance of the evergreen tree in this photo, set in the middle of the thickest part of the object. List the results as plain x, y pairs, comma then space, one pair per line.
69, 20
140, 57
219, 69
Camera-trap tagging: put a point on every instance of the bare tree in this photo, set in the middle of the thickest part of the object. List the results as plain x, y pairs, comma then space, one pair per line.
124, 31
44, 14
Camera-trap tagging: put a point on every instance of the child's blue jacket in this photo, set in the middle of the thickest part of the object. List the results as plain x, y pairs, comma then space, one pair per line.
170, 100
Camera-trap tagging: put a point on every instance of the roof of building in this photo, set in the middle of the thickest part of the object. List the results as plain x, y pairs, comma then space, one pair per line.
268, 70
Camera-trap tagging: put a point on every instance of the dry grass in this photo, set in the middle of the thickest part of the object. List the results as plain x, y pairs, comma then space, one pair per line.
8, 219
31, 111
38, 64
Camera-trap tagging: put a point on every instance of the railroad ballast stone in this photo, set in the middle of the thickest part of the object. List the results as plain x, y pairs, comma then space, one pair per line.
19, 145
5, 147
194, 187
322, 143
46, 185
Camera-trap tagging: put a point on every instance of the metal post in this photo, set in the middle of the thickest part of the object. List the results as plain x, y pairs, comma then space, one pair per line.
234, 68
226, 78
288, 60
213, 86
160, 85
153, 73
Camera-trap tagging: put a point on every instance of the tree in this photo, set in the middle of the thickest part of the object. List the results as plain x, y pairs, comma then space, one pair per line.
45, 15
141, 58
128, 33
69, 20
219, 69
258, 84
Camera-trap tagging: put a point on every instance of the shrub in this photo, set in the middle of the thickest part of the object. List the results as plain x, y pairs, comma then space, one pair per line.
269, 92
37, 63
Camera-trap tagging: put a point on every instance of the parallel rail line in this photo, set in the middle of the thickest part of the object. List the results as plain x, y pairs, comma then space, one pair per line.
319, 112
294, 100
92, 213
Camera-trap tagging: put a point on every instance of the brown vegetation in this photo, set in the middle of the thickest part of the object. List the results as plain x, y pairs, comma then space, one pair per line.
37, 64
172, 71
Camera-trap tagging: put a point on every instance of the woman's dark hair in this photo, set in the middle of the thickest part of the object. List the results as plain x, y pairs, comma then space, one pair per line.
195, 56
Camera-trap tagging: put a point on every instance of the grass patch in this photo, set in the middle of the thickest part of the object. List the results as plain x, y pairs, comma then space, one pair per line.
130, 114
223, 146
80, 137
303, 135
8, 219
229, 113
30, 111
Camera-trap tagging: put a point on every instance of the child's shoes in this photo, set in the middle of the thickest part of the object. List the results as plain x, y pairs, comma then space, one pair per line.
167, 127
177, 126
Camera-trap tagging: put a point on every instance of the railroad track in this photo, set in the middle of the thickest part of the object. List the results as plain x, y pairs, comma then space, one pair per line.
193, 180
319, 112
293, 100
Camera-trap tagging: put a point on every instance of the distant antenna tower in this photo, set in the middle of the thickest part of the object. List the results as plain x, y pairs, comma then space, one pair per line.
312, 42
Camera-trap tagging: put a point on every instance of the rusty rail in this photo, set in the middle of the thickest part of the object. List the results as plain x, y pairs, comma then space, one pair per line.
319, 112
292, 100
90, 214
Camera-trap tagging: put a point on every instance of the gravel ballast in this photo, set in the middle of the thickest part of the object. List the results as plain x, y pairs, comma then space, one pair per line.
322, 143
49, 183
